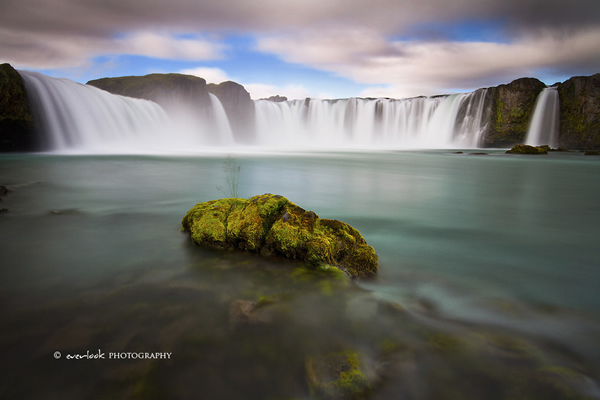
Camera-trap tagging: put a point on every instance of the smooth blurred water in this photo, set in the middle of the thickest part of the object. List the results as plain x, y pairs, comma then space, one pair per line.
500, 240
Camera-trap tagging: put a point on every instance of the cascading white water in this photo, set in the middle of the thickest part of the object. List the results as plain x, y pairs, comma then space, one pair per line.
472, 123
221, 122
543, 129
421, 122
83, 119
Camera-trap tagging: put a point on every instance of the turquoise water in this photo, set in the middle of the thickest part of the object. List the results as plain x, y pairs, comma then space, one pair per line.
499, 242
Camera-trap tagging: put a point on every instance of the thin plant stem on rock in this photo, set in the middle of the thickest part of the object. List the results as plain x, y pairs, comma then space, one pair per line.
232, 169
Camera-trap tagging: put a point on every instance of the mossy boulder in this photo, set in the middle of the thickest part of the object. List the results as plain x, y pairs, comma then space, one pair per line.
560, 149
526, 149
337, 376
17, 122
272, 225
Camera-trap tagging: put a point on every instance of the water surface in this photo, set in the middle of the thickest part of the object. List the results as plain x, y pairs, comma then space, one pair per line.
470, 246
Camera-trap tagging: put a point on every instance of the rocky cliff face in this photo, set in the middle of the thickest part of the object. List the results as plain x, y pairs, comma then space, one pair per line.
17, 123
508, 107
173, 92
239, 108
276, 99
580, 112
178, 93
512, 106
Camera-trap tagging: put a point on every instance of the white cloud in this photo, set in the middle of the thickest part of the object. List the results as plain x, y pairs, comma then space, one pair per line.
211, 75
349, 38
168, 47
256, 90
34, 50
413, 68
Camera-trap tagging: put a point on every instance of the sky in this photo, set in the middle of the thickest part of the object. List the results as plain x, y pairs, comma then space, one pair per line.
308, 48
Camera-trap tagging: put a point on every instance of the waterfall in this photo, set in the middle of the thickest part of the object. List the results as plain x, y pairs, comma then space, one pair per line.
543, 129
220, 121
83, 119
472, 120
421, 122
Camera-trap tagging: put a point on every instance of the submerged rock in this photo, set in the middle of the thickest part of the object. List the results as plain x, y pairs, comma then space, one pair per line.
337, 376
591, 153
272, 225
244, 312
526, 149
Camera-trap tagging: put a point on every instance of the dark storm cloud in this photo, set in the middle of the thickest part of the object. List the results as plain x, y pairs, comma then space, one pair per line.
92, 17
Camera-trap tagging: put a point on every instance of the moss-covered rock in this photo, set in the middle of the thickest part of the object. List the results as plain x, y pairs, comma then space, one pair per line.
272, 225
580, 112
17, 122
512, 105
337, 376
526, 149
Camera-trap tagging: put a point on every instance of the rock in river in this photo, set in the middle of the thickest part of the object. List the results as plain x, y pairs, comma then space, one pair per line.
272, 225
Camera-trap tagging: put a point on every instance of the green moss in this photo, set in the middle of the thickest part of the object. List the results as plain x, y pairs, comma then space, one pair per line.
444, 343
517, 113
337, 376
207, 222
326, 288
580, 113
147, 387
250, 220
322, 271
512, 108
499, 110
526, 149
388, 347
271, 224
